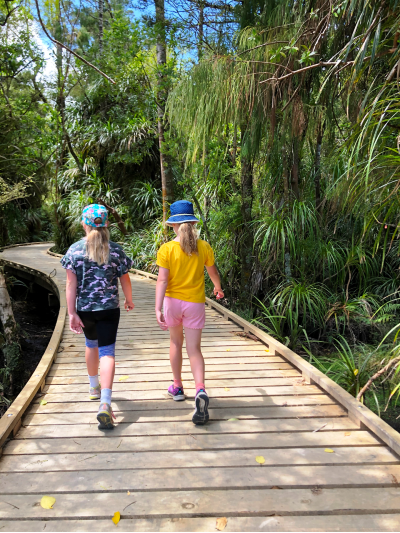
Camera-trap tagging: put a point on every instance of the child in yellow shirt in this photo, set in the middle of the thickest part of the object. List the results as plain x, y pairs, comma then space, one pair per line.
180, 288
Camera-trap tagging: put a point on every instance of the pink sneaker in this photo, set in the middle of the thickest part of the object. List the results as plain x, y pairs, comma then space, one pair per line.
176, 393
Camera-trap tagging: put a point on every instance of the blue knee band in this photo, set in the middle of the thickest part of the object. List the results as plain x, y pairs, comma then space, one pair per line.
91, 344
107, 350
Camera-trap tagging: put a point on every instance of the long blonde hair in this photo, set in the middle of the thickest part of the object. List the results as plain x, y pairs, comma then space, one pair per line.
97, 245
188, 236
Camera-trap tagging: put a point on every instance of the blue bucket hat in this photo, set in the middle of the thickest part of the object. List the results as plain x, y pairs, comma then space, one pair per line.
181, 211
95, 215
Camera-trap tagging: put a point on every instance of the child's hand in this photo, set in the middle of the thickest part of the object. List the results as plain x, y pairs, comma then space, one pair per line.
129, 305
219, 293
161, 320
75, 323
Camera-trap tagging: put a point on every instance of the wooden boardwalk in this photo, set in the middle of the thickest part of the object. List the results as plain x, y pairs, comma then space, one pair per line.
322, 470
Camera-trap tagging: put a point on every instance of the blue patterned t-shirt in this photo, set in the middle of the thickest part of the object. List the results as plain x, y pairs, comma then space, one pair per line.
97, 285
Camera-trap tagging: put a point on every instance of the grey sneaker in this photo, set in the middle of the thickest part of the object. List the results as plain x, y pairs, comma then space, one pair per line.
200, 415
105, 416
95, 392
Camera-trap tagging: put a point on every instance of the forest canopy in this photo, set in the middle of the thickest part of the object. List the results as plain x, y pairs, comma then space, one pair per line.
278, 119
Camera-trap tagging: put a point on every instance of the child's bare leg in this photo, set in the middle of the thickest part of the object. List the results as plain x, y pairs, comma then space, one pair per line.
92, 361
175, 353
107, 370
193, 348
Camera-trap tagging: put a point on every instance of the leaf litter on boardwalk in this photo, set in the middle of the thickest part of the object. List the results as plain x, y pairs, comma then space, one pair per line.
221, 523
47, 502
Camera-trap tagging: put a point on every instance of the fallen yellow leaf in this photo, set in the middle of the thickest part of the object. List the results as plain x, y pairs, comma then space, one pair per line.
47, 502
221, 523
267, 350
260, 459
355, 371
347, 434
328, 450
228, 350
43, 402
122, 378
128, 492
232, 419
116, 518
226, 388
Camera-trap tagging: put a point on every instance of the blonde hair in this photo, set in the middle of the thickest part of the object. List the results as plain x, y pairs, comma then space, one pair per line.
97, 245
188, 238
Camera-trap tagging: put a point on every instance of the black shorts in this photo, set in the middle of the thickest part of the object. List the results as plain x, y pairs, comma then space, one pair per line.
100, 327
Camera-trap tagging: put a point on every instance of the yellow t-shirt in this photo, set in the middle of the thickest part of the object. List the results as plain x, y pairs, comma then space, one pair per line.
186, 273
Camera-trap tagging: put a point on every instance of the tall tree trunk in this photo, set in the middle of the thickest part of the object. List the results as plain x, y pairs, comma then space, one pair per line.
285, 176
162, 94
11, 348
317, 166
247, 241
101, 26
6, 313
201, 31
295, 167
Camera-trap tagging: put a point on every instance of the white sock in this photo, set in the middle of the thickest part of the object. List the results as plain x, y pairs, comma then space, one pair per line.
106, 396
94, 381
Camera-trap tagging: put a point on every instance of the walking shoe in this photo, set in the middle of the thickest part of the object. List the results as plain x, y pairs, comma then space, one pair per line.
105, 416
95, 392
200, 415
176, 393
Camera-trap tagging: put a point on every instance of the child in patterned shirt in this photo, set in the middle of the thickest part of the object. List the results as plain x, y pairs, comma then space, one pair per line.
93, 266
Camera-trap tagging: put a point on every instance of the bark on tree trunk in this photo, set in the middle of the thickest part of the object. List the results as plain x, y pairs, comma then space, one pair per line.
246, 249
11, 348
317, 167
285, 176
6, 313
295, 168
201, 31
101, 26
162, 93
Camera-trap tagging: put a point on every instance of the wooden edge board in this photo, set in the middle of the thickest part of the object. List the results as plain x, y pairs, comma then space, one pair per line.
11, 420
356, 410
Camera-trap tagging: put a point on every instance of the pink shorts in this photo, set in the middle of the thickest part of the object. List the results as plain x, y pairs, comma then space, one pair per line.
191, 315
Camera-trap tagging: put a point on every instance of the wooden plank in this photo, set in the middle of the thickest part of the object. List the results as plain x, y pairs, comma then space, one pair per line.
197, 459
142, 367
120, 349
283, 426
248, 406
207, 342
126, 331
365, 522
80, 481
69, 417
156, 385
113, 441
205, 502
214, 392
281, 370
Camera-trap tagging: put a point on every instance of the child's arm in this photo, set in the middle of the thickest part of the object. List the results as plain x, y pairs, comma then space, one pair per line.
126, 285
161, 287
213, 273
75, 323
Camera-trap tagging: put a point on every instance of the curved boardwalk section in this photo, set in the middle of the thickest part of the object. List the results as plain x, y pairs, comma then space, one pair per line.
322, 470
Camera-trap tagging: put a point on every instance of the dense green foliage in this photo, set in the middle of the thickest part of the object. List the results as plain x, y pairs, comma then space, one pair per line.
282, 127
